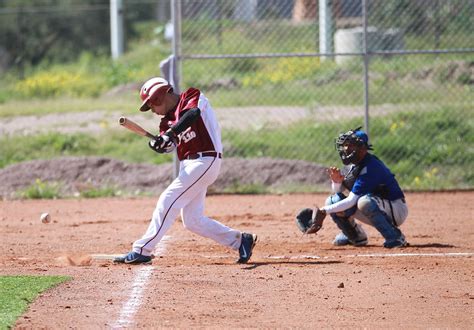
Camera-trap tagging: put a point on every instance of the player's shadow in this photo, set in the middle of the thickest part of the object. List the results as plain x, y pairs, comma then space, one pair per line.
431, 245
253, 265
410, 245
349, 247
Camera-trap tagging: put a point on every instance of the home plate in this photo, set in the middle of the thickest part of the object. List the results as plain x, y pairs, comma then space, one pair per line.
109, 256
105, 256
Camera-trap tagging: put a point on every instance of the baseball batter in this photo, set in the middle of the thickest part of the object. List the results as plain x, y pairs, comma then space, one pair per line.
189, 126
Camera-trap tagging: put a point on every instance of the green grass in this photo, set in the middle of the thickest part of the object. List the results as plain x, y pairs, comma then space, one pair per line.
41, 190
125, 104
280, 81
260, 189
263, 37
298, 93
113, 144
78, 85
16, 292
428, 146
395, 80
425, 149
52, 190
98, 192
243, 189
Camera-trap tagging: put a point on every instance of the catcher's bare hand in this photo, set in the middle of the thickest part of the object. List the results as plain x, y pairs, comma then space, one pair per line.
335, 174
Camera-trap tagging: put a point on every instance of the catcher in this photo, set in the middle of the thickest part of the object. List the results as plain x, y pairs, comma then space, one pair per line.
374, 198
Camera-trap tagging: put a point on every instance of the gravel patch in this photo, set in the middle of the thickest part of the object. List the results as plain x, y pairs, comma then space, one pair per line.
77, 174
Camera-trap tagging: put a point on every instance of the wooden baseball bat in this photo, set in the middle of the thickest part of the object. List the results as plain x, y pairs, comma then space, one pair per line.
134, 127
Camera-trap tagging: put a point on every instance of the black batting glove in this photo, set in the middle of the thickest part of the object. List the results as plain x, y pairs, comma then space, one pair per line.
155, 144
162, 144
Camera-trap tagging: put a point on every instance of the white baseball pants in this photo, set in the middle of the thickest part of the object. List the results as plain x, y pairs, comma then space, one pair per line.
187, 194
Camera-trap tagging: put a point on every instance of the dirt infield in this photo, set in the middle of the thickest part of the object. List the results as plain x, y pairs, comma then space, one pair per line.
291, 280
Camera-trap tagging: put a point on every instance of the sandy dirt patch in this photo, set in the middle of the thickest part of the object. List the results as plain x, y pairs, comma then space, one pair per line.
193, 282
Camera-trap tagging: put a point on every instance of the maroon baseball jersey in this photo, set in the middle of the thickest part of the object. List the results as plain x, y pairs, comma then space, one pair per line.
204, 134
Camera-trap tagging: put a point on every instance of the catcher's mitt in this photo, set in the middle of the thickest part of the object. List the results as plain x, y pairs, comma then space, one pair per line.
310, 221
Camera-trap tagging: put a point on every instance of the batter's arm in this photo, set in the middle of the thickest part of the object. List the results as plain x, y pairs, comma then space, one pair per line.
188, 118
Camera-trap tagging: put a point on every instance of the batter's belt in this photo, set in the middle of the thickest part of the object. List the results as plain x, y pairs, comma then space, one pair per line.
204, 154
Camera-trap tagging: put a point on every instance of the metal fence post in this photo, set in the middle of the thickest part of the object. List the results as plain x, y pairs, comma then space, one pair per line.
176, 63
325, 28
366, 69
116, 28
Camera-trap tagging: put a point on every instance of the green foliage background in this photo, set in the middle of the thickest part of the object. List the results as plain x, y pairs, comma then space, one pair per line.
428, 142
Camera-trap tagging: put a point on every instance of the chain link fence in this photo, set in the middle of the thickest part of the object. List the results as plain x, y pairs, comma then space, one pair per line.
286, 77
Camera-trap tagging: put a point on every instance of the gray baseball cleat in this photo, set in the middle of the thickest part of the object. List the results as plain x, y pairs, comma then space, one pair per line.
341, 240
398, 243
246, 247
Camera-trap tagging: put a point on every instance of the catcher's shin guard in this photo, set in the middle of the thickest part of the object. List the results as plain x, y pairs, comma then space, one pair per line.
393, 236
353, 232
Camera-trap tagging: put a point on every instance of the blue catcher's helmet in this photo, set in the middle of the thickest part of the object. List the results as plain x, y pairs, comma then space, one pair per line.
348, 144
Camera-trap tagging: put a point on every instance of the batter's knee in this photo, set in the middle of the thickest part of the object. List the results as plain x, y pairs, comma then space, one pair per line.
190, 221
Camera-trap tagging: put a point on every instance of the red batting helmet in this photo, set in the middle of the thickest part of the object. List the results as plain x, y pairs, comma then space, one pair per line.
153, 91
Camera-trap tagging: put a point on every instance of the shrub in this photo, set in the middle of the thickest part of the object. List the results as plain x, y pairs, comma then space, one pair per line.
96, 192
41, 190
58, 83
285, 70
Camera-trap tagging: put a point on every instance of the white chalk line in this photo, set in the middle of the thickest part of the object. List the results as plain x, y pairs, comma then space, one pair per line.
140, 281
142, 275
296, 257
377, 255
449, 254
371, 255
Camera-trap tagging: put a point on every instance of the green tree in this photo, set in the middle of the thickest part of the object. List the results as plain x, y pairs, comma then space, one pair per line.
35, 31
422, 17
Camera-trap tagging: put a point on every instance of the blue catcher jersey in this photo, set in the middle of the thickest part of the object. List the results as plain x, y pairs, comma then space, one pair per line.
375, 178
